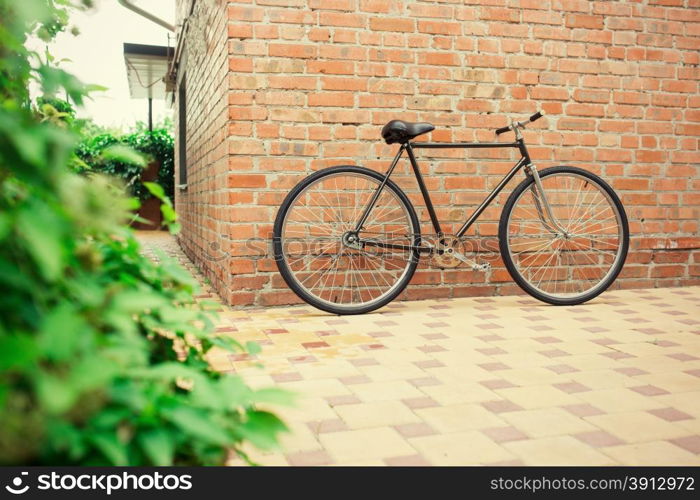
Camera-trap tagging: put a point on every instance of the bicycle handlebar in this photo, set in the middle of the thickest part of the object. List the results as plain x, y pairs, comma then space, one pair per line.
534, 117
502, 130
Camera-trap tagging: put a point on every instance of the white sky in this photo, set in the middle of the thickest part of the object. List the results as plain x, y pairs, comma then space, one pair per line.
97, 56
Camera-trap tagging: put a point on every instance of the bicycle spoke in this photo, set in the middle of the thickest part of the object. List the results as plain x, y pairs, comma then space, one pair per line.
574, 207
327, 265
315, 223
569, 264
305, 256
324, 272
586, 216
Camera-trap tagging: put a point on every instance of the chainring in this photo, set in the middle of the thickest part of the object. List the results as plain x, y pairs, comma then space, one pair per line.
443, 255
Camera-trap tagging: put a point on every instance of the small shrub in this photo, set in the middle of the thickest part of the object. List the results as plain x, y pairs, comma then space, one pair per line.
156, 145
103, 354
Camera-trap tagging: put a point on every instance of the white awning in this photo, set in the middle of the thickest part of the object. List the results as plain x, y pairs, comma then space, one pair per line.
146, 65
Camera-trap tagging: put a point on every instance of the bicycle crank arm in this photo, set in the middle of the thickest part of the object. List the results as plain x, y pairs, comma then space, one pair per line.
473, 264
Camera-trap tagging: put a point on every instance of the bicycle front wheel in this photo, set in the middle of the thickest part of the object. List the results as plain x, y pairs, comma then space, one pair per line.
577, 258
329, 264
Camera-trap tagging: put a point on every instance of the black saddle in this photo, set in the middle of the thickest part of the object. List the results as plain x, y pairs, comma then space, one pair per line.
401, 131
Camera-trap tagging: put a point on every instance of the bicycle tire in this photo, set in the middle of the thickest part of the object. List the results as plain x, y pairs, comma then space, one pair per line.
286, 272
510, 264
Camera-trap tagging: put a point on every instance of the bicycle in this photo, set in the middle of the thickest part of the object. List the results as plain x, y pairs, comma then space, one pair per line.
347, 239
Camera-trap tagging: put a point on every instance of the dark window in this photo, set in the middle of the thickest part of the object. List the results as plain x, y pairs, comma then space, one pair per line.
182, 129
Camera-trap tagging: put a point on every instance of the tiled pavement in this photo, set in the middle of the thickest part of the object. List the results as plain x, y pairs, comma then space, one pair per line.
502, 380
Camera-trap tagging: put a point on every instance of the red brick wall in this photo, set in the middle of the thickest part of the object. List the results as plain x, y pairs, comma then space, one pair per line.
202, 205
309, 83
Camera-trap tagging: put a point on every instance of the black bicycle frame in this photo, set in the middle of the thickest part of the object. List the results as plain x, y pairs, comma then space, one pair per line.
409, 147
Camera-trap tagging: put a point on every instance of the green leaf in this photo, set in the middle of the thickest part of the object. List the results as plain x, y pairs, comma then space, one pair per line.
226, 343
30, 145
55, 394
40, 229
261, 428
158, 445
169, 214
198, 423
15, 278
174, 228
93, 87
4, 391
5, 226
234, 391
167, 371
66, 436
155, 189
206, 395
92, 372
32, 10
138, 301
253, 348
113, 449
61, 332
53, 79
176, 271
124, 154
17, 351
274, 395
110, 418
130, 395
133, 203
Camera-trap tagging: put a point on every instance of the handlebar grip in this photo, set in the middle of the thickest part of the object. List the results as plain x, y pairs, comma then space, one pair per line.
537, 116
502, 130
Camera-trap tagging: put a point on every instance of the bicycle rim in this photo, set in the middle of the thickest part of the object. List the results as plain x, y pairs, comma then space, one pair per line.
320, 261
566, 267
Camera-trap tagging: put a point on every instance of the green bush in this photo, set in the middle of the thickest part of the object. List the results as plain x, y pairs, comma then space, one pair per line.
103, 354
156, 145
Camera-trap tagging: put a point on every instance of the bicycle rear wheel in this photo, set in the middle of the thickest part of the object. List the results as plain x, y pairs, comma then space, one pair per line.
571, 266
325, 261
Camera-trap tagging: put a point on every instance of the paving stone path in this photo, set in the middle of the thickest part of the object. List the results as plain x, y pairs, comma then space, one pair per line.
497, 380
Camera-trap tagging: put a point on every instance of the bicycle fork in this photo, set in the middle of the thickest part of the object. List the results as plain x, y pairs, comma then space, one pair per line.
538, 193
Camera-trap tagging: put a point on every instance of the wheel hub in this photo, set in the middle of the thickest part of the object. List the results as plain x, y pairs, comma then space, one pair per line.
351, 239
